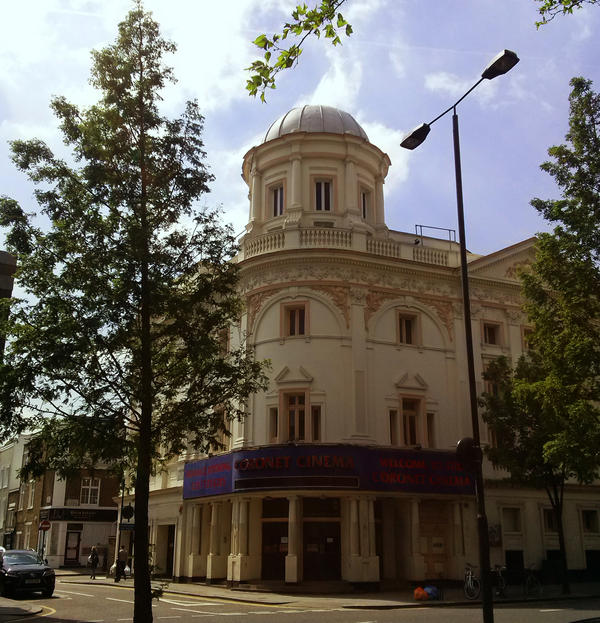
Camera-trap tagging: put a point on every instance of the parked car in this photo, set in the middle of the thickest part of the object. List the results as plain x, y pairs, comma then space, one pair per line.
24, 571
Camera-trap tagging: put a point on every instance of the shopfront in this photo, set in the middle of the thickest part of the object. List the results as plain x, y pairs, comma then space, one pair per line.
325, 512
72, 533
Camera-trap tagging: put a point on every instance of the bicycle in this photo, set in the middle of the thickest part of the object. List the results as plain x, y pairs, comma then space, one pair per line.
499, 580
531, 584
472, 586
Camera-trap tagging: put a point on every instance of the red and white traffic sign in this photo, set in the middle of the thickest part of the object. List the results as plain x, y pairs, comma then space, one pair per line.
45, 525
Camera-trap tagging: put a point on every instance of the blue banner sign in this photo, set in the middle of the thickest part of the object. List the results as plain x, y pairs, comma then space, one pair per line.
327, 467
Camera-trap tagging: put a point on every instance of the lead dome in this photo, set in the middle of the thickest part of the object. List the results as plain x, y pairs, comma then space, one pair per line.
311, 118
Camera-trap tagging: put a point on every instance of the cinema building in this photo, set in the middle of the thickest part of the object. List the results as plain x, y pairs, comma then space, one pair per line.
345, 467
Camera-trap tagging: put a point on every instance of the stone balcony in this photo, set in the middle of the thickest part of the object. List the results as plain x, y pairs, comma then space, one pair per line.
390, 244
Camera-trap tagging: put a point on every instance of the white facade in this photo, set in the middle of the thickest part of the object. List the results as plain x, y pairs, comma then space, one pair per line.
363, 328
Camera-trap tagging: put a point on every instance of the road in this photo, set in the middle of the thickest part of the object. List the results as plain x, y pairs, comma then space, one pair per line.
73, 603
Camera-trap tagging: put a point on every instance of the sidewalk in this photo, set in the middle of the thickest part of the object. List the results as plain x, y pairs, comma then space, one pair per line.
280, 594
10, 608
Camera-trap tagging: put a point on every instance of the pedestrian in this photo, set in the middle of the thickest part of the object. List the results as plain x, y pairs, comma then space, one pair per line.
93, 559
121, 562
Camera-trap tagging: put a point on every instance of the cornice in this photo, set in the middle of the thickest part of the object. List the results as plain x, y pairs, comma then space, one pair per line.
356, 261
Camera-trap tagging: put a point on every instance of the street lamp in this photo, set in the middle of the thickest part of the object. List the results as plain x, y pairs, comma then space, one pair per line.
499, 65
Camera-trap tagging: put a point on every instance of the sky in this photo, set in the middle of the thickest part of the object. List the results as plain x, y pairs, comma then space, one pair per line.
407, 61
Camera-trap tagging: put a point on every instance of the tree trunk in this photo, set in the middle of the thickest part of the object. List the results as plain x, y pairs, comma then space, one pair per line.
556, 500
142, 611
564, 571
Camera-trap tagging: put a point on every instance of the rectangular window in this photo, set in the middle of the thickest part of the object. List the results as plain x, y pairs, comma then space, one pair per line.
407, 325
431, 430
491, 388
511, 519
295, 407
277, 200
222, 433
90, 491
274, 423
525, 337
316, 422
589, 519
393, 416
223, 342
550, 524
323, 195
295, 319
21, 497
491, 333
410, 414
31, 496
364, 203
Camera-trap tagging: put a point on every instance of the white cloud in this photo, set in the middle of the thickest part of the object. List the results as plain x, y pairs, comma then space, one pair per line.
398, 63
388, 140
450, 84
341, 83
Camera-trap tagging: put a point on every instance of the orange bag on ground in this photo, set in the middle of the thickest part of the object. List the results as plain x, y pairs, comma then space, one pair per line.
421, 594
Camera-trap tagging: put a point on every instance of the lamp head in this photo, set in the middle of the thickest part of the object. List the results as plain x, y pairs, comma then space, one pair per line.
415, 137
500, 64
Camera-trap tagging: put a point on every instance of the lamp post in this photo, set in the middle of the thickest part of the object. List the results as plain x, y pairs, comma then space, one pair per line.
500, 64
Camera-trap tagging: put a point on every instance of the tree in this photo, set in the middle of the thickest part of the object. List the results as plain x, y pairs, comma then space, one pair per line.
324, 19
116, 350
545, 414
530, 412
551, 8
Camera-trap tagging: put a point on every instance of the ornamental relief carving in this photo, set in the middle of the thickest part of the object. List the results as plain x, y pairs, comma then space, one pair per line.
358, 296
346, 275
375, 299
493, 295
339, 296
515, 316
254, 304
444, 311
512, 272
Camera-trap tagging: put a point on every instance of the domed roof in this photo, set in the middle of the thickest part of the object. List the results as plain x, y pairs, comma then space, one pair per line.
315, 119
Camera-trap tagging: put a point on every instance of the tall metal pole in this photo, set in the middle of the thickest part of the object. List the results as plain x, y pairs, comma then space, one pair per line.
119, 521
482, 523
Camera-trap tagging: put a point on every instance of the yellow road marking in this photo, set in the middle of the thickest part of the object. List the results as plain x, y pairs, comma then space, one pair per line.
29, 617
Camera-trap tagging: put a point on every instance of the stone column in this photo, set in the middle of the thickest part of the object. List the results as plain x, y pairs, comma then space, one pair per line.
363, 518
351, 188
359, 424
364, 563
417, 560
205, 527
237, 562
256, 201
195, 527
354, 528
379, 207
214, 529
232, 558
296, 183
216, 565
181, 543
292, 575
372, 543
243, 527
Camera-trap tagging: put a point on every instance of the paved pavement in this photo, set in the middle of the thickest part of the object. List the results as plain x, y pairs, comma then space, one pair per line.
281, 594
